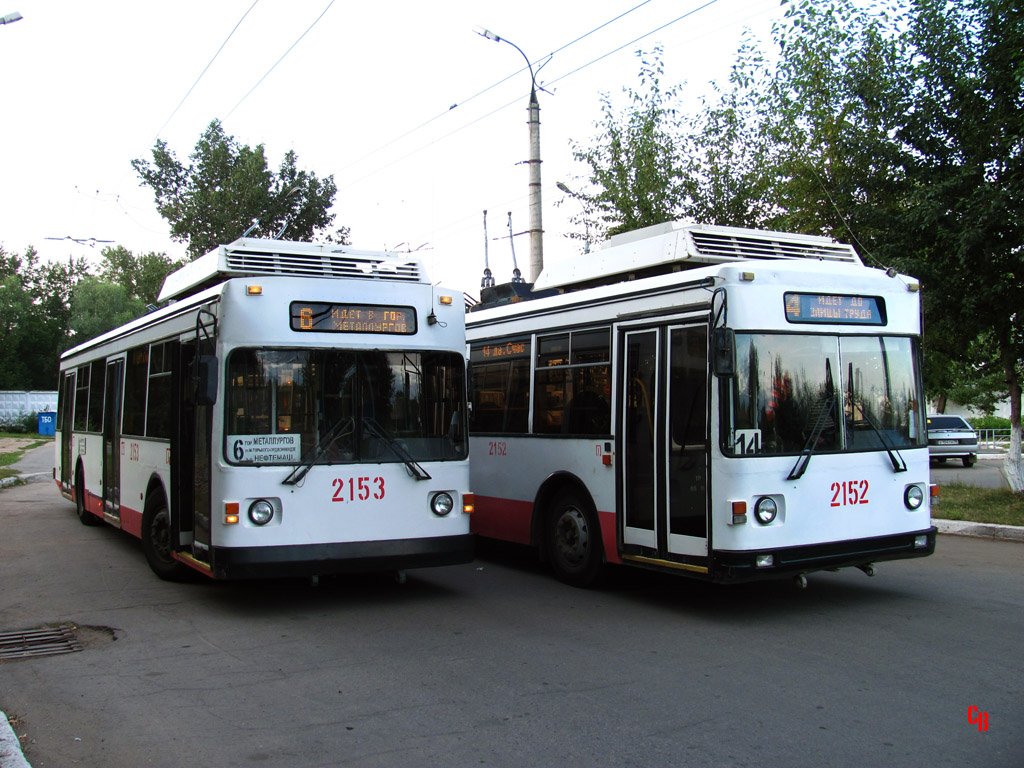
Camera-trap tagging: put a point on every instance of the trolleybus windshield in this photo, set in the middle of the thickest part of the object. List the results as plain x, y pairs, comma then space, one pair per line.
823, 394
292, 406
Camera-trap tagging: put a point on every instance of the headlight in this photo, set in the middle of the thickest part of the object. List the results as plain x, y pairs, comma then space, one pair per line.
441, 504
765, 510
261, 512
913, 496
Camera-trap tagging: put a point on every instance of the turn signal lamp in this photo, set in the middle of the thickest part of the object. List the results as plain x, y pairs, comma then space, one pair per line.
446, 300
254, 290
468, 503
230, 513
739, 512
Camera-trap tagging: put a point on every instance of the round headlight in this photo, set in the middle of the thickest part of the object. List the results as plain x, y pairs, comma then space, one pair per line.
261, 512
765, 510
913, 497
441, 504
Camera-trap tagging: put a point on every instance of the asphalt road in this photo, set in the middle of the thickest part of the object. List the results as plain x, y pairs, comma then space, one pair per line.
986, 473
495, 663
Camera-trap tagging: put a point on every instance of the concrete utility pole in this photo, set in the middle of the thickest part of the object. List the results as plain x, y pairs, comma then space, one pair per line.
536, 229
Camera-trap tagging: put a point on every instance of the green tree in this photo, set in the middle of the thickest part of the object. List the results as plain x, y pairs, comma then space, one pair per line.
35, 311
98, 306
227, 186
142, 277
634, 167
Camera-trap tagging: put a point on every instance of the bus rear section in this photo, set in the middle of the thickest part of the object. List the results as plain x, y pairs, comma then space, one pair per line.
756, 414
298, 410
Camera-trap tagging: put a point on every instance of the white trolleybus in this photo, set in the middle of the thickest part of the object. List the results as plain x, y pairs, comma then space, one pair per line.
294, 409
726, 403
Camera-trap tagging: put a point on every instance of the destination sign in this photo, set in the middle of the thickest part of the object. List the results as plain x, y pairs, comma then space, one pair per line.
480, 353
352, 318
830, 308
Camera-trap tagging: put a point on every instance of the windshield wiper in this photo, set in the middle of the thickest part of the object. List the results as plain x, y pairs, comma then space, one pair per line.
378, 431
819, 426
898, 464
318, 450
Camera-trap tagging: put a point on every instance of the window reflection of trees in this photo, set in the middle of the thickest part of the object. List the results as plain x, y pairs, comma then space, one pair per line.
825, 392
411, 396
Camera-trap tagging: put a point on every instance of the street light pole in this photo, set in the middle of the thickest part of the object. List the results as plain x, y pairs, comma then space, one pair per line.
536, 229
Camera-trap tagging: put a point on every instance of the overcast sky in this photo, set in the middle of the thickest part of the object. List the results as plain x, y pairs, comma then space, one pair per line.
366, 94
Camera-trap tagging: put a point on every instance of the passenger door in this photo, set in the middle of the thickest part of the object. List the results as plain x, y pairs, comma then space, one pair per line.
664, 440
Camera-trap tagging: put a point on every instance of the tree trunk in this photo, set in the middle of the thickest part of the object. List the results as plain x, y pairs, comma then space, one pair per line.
1013, 466
940, 403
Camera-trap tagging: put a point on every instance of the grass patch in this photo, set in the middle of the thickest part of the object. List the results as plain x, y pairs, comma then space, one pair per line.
9, 457
979, 505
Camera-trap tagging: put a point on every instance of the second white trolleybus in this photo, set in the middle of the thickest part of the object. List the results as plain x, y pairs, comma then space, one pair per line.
727, 403
295, 409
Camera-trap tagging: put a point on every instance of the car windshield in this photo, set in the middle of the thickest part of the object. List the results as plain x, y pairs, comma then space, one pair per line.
291, 406
824, 394
947, 423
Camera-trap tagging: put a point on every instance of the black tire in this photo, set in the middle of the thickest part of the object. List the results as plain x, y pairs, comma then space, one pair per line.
84, 516
969, 461
572, 541
156, 541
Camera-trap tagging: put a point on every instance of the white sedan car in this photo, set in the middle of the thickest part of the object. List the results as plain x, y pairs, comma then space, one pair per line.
951, 437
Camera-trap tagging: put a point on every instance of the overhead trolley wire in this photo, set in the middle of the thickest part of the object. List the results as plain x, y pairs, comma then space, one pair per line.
509, 104
168, 120
492, 86
297, 41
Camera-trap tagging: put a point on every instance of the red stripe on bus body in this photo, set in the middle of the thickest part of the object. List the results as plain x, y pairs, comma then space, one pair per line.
131, 519
509, 520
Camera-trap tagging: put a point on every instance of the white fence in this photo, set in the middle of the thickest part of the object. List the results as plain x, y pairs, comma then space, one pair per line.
993, 438
14, 404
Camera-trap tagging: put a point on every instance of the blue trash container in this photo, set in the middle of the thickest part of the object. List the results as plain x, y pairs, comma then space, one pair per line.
47, 423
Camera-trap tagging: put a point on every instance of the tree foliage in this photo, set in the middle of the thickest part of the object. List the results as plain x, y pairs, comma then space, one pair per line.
35, 312
634, 163
226, 186
141, 276
98, 306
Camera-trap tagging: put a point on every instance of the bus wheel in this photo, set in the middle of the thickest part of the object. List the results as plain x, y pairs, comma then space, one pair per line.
85, 516
156, 542
573, 541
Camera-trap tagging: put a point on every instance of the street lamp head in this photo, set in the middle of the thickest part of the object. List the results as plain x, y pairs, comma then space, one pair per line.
564, 188
487, 33
10, 17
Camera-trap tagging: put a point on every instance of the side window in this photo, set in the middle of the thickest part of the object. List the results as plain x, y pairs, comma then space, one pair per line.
158, 412
500, 388
82, 398
136, 375
99, 381
66, 397
573, 383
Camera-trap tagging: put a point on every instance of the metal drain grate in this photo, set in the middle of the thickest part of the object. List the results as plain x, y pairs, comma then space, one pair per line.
30, 643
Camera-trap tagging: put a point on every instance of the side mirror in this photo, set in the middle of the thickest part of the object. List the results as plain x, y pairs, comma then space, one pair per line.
206, 380
723, 352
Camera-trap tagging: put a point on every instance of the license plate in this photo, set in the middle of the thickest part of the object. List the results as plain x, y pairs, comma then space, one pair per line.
946, 442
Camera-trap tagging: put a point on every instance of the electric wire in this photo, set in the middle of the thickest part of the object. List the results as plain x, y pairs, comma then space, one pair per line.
510, 103
491, 87
183, 98
297, 41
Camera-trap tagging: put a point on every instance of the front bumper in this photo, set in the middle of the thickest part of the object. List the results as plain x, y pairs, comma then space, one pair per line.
347, 557
733, 566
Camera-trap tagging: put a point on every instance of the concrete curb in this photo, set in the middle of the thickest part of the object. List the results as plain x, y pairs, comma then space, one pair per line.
980, 530
10, 748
